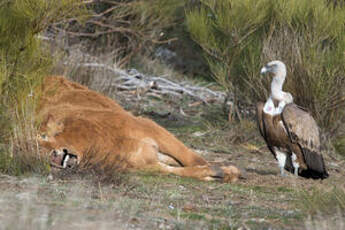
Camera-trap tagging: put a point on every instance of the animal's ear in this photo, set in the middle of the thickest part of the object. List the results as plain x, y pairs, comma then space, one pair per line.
50, 121
55, 127
50, 118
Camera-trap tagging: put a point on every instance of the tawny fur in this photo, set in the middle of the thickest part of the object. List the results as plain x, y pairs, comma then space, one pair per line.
78, 119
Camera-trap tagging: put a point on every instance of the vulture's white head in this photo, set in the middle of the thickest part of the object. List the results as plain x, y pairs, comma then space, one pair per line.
278, 68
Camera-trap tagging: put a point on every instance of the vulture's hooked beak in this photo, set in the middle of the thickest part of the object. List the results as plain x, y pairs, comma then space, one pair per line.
264, 70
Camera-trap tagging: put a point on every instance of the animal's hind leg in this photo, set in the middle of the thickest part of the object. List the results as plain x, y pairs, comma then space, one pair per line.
168, 160
143, 153
146, 154
168, 144
203, 172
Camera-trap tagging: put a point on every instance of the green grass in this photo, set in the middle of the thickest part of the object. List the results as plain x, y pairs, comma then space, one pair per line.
339, 145
319, 200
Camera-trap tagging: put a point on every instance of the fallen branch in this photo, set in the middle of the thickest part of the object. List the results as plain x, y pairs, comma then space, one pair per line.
133, 80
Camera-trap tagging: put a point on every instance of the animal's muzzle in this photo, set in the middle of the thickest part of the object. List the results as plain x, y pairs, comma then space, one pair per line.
62, 158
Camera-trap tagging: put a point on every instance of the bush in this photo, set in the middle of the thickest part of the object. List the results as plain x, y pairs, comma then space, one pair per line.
240, 36
24, 61
124, 28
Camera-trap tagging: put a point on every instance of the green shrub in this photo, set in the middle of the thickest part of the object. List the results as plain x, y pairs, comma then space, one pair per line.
24, 61
240, 36
125, 28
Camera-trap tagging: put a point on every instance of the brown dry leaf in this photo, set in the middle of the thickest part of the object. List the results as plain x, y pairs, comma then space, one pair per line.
251, 147
189, 208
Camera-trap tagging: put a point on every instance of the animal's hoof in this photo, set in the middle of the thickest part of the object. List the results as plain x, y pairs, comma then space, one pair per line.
231, 173
225, 173
218, 173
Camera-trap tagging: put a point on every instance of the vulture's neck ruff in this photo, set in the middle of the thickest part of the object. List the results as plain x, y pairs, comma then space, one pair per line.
278, 69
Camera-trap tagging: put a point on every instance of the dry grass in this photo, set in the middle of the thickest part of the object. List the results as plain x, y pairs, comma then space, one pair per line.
154, 201
320, 222
322, 201
325, 208
100, 171
155, 67
22, 153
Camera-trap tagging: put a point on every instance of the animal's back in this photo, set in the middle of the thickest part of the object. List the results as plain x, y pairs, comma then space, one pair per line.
93, 121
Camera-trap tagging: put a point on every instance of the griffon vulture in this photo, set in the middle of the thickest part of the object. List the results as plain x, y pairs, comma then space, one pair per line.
291, 133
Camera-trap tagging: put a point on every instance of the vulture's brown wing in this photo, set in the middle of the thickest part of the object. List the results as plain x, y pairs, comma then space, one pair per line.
303, 130
259, 111
261, 125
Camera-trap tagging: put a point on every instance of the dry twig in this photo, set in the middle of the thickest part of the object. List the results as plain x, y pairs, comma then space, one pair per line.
133, 80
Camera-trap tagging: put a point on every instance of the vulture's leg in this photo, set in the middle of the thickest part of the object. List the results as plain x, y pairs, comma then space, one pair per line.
281, 157
295, 164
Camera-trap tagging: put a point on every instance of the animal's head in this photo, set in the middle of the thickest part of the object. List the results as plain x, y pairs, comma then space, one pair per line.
275, 67
50, 129
51, 139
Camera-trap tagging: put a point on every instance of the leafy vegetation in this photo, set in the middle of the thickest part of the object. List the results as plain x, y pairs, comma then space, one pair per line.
238, 37
125, 28
23, 64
